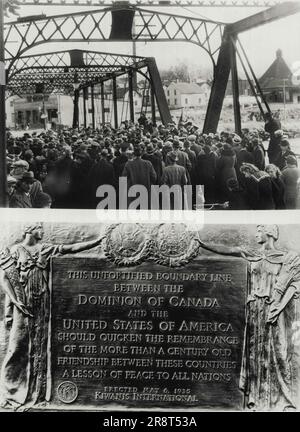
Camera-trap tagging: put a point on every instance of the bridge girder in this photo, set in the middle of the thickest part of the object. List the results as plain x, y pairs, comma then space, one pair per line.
57, 70
103, 25
56, 73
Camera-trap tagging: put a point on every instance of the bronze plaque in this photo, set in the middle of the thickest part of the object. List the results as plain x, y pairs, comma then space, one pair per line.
147, 336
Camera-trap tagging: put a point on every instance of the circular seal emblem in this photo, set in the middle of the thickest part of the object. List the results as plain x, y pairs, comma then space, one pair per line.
174, 245
67, 392
126, 244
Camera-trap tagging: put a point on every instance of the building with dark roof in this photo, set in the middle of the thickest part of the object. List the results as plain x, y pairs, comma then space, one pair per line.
278, 83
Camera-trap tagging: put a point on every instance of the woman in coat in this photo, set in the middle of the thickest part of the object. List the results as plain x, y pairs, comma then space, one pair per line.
206, 173
258, 188
225, 170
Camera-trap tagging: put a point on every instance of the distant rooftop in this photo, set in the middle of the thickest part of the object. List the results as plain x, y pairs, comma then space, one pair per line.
188, 88
276, 73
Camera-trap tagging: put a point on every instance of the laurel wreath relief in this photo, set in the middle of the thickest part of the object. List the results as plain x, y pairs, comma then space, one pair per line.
131, 244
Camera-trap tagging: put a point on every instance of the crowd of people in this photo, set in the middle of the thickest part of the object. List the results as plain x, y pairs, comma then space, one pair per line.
63, 169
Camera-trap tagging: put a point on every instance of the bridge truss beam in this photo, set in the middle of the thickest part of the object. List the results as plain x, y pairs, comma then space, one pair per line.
58, 72
104, 25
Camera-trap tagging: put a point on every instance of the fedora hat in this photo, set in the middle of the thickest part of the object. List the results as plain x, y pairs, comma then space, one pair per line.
28, 177
150, 148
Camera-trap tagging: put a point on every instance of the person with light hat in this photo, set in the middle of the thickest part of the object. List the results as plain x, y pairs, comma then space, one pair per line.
274, 145
166, 148
236, 139
29, 157
192, 137
11, 183
21, 196
18, 168
89, 140
236, 143
278, 133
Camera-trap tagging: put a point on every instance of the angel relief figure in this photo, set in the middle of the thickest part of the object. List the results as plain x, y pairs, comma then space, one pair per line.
24, 271
270, 374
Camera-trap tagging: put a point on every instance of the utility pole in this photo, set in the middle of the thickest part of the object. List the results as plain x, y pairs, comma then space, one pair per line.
44, 115
284, 99
134, 74
3, 169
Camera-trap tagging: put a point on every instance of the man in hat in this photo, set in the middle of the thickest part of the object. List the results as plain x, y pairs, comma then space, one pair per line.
258, 154
29, 158
291, 179
182, 157
76, 196
274, 145
44, 200
285, 151
102, 173
174, 174
243, 155
271, 126
21, 196
139, 171
93, 149
193, 144
18, 168
152, 157
120, 160
166, 148
237, 196
11, 184
191, 154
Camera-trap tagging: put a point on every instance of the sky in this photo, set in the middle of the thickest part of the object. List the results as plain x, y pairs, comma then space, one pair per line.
260, 43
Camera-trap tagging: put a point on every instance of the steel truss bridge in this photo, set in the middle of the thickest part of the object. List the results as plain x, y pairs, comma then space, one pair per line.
157, 3
77, 71
126, 22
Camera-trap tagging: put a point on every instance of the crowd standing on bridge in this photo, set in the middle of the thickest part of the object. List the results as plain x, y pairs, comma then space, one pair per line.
63, 169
